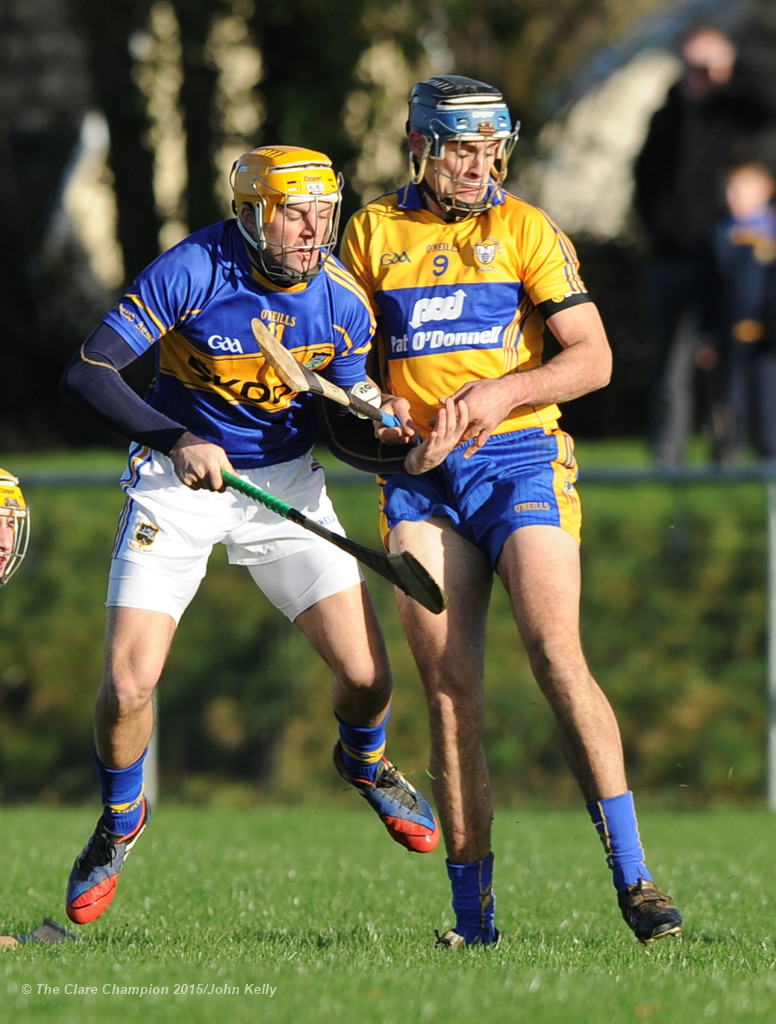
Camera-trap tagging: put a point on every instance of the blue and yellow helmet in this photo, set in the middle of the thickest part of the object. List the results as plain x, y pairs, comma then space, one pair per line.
454, 109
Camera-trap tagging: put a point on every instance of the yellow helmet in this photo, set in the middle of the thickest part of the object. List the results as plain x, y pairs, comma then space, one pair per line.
13, 506
270, 177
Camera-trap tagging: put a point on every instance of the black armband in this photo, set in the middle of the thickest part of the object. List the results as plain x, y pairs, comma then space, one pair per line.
93, 381
551, 306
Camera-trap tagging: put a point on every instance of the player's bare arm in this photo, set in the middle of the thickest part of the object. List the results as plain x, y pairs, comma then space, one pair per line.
583, 365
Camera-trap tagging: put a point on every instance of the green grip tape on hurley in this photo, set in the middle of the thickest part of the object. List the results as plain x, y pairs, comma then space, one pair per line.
251, 491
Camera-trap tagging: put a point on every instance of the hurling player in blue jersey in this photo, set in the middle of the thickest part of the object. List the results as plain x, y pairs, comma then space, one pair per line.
463, 277
216, 404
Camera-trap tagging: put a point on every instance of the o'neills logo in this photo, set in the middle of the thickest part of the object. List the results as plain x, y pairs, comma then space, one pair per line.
316, 360
532, 506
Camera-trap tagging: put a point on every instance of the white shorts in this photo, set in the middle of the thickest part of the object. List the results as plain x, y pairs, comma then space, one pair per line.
167, 531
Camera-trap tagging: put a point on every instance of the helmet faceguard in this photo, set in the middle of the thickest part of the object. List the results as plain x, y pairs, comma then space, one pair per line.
272, 178
13, 541
451, 109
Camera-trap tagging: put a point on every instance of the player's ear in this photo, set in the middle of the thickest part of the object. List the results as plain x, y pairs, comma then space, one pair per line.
247, 215
417, 144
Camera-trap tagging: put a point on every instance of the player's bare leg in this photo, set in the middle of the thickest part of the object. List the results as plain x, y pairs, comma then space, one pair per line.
449, 651
137, 644
539, 566
343, 629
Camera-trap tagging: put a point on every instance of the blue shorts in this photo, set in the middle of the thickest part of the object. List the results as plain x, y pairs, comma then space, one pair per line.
525, 478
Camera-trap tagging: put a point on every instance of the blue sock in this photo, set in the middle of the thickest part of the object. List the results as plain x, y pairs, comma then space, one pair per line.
362, 747
615, 821
122, 795
474, 901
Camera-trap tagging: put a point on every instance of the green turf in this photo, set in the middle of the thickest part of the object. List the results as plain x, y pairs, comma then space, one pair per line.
318, 905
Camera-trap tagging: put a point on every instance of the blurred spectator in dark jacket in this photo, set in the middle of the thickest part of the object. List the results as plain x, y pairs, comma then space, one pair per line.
710, 117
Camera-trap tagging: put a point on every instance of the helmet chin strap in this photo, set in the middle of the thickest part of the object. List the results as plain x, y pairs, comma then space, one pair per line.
451, 213
276, 272
453, 209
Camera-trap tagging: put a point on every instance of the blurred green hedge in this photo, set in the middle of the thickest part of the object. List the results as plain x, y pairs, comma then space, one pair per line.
674, 622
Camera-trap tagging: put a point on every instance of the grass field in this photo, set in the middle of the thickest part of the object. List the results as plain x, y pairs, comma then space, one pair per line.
311, 914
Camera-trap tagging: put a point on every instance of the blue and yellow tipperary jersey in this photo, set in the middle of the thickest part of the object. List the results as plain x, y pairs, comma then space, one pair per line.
194, 306
458, 302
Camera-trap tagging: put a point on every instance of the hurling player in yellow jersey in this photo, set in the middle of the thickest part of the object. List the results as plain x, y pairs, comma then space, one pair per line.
463, 278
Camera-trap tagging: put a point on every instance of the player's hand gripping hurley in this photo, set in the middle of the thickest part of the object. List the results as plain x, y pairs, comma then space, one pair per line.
300, 378
403, 570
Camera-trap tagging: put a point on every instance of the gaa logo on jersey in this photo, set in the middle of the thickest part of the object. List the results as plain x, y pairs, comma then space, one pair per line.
388, 259
219, 343
485, 253
144, 537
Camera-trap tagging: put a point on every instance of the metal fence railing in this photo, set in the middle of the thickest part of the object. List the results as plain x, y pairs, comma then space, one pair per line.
762, 472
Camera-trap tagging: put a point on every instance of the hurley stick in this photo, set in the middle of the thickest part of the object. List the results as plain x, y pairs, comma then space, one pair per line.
403, 570
300, 378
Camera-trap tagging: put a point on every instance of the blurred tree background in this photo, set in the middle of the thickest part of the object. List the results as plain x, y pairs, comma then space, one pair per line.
118, 125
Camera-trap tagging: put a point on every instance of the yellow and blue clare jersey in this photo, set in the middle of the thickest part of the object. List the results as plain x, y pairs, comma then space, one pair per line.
460, 301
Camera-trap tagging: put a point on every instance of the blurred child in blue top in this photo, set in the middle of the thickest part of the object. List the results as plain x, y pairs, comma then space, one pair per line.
743, 248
